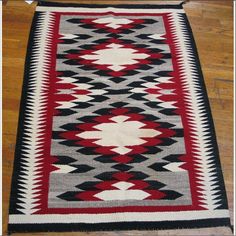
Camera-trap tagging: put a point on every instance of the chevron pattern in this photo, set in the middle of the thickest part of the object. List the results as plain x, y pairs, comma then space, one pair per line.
115, 129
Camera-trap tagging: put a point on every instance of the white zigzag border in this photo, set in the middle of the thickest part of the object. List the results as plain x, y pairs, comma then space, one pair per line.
35, 120
196, 114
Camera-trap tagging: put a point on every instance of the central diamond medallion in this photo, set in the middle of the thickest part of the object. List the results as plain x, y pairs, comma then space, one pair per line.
121, 133
115, 56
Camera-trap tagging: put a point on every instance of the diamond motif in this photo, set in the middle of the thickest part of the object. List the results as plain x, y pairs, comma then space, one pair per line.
123, 185
120, 134
112, 22
110, 195
115, 56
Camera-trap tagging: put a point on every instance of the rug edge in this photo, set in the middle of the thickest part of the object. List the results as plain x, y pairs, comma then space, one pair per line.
134, 6
22, 115
121, 226
210, 119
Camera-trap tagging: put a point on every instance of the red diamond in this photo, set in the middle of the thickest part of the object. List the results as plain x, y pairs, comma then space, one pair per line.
122, 159
106, 185
122, 176
155, 194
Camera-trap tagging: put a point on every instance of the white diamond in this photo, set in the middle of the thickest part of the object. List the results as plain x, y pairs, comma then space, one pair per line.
115, 56
65, 105
112, 22
120, 119
122, 185
122, 195
63, 169
156, 36
66, 80
121, 134
68, 36
121, 150
174, 167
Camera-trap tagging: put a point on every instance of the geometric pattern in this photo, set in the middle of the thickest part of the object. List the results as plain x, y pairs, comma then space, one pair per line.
129, 57
115, 129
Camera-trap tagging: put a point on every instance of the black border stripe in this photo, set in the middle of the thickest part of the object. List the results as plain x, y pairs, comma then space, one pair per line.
127, 6
147, 225
210, 123
15, 188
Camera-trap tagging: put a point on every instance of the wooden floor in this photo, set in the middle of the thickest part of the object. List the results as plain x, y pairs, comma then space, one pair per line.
212, 24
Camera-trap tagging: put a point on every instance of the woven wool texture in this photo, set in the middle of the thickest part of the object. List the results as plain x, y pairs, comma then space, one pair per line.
115, 128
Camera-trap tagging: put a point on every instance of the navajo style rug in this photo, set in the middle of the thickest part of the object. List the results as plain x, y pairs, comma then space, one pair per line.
115, 129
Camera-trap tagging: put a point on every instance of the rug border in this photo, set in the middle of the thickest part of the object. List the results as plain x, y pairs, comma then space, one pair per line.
210, 120
142, 225
121, 225
130, 6
22, 115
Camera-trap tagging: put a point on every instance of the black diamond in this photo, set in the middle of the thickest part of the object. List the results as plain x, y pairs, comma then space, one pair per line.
138, 158
138, 96
69, 196
105, 176
168, 112
81, 168
83, 36
86, 151
154, 184
64, 160
83, 80
153, 150
103, 111
69, 126
158, 166
89, 185
119, 104
122, 167
82, 105
138, 175
104, 159
66, 73
98, 98
167, 142
86, 119
171, 195
117, 79
173, 158
65, 112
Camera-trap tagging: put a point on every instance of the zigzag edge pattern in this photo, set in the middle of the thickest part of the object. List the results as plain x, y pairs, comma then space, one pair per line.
35, 120
197, 114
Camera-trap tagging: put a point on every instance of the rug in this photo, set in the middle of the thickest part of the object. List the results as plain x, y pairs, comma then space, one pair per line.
115, 129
